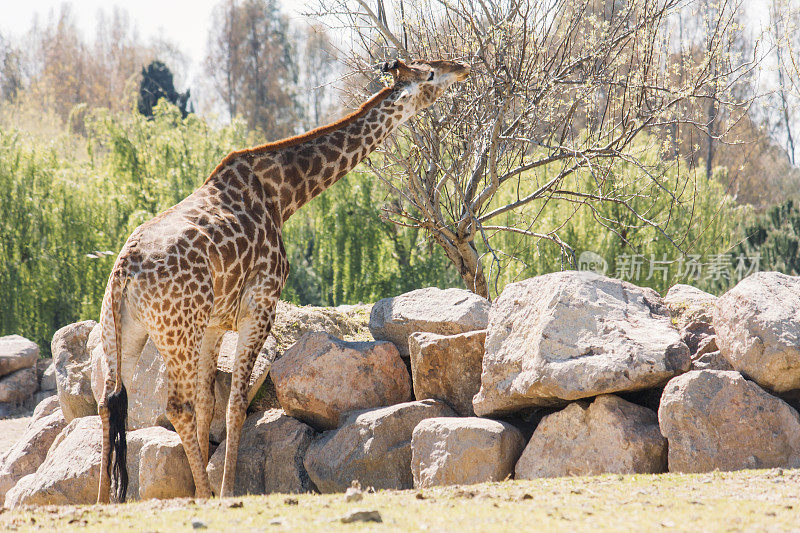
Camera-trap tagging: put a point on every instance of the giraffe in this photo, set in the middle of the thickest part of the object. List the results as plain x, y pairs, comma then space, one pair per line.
216, 262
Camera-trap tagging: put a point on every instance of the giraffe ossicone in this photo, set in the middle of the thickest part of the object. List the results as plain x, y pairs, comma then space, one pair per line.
216, 262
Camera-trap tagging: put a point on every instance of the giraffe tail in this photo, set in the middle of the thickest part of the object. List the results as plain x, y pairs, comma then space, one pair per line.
117, 401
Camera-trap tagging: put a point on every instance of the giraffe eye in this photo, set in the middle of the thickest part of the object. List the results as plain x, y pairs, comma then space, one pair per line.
430, 76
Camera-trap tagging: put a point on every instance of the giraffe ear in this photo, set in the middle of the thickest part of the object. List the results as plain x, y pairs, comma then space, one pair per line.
405, 94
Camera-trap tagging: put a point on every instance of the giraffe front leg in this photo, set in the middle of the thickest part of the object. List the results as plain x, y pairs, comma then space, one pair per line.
180, 352
181, 414
253, 332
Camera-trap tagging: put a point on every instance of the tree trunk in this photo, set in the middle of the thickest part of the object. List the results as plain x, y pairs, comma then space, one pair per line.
464, 256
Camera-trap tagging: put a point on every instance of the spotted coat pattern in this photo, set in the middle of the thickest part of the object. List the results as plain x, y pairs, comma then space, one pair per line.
216, 262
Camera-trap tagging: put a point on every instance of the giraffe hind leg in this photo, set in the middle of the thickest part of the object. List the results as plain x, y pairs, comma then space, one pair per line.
253, 333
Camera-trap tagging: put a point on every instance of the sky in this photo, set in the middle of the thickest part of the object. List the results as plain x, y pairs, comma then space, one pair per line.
184, 22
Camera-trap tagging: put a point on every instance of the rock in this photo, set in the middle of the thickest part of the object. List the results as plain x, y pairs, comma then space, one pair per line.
42, 395
148, 389
758, 329
69, 474
691, 310
31, 448
271, 452
47, 406
373, 447
689, 304
354, 492
163, 469
321, 378
347, 322
715, 419
711, 361
18, 386
447, 367
16, 353
608, 435
446, 312
48, 381
463, 451
572, 335
363, 515
73, 368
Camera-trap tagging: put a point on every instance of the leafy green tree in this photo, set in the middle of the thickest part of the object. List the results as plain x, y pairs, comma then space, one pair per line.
157, 83
615, 236
65, 211
772, 241
342, 252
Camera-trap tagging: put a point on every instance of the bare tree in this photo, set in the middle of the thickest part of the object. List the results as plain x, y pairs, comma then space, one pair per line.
560, 89
252, 65
784, 28
318, 67
11, 76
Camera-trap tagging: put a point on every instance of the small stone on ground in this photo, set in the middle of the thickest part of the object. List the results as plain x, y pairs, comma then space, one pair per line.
361, 516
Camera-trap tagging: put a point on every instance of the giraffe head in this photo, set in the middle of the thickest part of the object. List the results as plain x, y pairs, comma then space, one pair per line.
418, 84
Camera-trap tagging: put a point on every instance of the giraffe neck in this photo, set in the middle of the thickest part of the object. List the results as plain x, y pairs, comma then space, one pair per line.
294, 173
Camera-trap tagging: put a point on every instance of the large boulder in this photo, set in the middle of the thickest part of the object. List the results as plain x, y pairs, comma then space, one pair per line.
572, 335
447, 367
162, 469
73, 366
270, 459
758, 329
16, 352
347, 322
46, 407
463, 451
31, 448
70, 473
321, 378
373, 447
18, 386
716, 419
446, 312
608, 435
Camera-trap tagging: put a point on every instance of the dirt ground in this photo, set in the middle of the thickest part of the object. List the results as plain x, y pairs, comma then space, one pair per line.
757, 500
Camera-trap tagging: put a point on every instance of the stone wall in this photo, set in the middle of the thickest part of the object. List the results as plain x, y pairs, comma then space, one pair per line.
564, 374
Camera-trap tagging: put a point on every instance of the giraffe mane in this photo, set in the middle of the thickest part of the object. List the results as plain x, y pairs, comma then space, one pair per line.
309, 135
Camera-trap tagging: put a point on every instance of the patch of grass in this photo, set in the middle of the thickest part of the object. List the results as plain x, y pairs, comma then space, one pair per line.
748, 500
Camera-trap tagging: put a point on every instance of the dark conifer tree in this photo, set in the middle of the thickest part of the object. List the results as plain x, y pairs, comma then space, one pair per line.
156, 84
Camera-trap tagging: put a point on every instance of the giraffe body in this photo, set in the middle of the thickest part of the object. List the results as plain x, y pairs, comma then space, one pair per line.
216, 262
